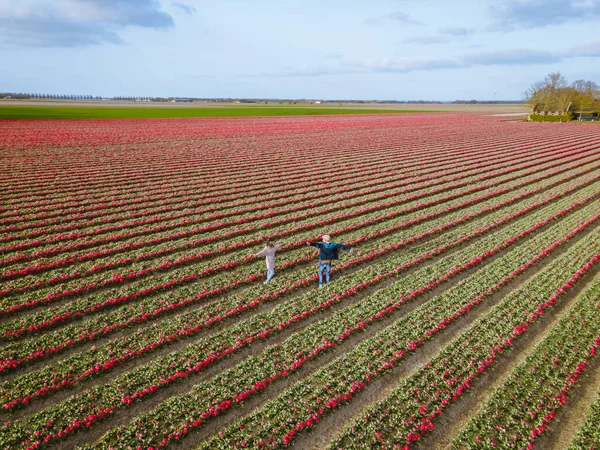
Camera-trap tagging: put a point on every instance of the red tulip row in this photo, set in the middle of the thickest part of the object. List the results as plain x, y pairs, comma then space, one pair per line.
409, 182
25, 138
110, 195
47, 318
257, 372
145, 340
16, 354
408, 412
147, 379
445, 308
526, 404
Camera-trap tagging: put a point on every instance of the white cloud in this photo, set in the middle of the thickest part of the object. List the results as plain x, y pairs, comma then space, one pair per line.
69, 23
515, 14
510, 57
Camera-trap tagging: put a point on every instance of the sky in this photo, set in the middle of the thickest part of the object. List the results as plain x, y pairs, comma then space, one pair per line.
317, 49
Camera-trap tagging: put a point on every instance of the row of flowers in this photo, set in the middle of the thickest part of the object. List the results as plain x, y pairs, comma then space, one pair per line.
120, 177
73, 370
303, 405
16, 354
528, 401
43, 319
192, 216
409, 412
88, 137
102, 400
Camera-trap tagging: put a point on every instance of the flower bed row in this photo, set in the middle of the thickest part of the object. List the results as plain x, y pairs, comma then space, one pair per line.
167, 369
48, 317
16, 354
526, 404
409, 412
100, 359
174, 418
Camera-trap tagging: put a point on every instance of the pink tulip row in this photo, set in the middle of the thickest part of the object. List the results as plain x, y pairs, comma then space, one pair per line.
179, 186
56, 342
183, 331
424, 396
46, 320
202, 360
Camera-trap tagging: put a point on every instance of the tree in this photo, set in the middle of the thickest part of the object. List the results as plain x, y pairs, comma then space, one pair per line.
587, 94
565, 96
553, 84
534, 97
554, 94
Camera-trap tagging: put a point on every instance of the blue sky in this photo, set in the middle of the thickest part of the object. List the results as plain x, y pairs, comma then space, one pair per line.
336, 49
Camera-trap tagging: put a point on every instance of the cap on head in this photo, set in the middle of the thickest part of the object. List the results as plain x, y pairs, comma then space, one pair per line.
269, 241
326, 238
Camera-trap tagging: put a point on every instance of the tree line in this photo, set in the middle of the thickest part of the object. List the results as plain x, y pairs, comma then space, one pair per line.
555, 94
25, 96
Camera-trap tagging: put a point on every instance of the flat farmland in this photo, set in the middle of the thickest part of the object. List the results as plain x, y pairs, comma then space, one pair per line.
133, 312
64, 109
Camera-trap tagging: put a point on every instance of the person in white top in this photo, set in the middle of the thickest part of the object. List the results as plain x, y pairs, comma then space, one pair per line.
269, 253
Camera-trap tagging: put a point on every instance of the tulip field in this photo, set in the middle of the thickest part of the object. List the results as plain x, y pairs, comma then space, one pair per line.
134, 314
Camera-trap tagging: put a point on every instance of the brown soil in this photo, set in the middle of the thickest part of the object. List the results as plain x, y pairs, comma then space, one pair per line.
457, 415
331, 425
573, 414
124, 416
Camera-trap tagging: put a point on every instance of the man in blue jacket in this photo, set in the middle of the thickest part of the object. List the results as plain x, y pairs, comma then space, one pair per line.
328, 252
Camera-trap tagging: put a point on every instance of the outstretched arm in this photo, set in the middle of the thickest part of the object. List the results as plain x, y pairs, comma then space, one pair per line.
261, 253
